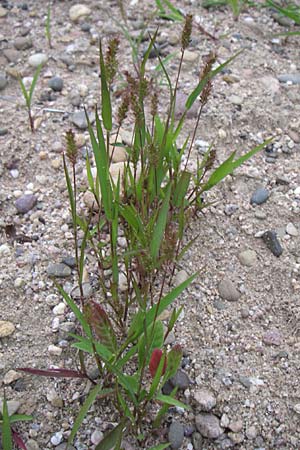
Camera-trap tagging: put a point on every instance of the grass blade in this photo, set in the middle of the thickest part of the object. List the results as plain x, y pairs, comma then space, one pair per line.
105, 95
159, 229
34, 81
112, 438
6, 430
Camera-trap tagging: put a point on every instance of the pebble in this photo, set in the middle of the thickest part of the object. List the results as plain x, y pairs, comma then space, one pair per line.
12, 406
235, 100
3, 81
37, 59
59, 309
180, 277
251, 432
260, 214
260, 196
292, 230
180, 380
297, 191
23, 43
58, 270
228, 291
90, 202
181, 99
247, 258
293, 78
79, 120
69, 261
54, 398
197, 440
25, 203
176, 434
54, 350
96, 437
65, 328
3, 12
11, 376
31, 444
56, 84
272, 242
230, 209
189, 57
86, 288
6, 328
272, 337
56, 438
85, 27
119, 154
208, 425
78, 11
4, 250
205, 400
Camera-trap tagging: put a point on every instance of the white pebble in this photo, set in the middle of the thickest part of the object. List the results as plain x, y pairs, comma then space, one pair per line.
59, 309
57, 438
96, 437
54, 351
4, 250
18, 282
14, 173
297, 191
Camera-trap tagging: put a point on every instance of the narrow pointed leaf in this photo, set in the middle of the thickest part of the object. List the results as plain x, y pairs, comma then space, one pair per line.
174, 358
54, 373
34, 81
152, 340
111, 439
181, 188
85, 407
160, 446
171, 401
20, 418
159, 229
6, 430
18, 441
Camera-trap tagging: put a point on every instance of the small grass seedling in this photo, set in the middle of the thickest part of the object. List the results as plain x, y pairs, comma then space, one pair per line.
9, 436
48, 26
28, 94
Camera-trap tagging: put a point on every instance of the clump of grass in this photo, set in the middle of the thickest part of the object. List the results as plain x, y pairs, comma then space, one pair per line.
150, 204
29, 94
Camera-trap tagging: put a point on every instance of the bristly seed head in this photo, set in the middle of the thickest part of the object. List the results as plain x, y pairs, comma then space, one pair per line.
187, 31
111, 63
211, 159
71, 149
123, 109
154, 104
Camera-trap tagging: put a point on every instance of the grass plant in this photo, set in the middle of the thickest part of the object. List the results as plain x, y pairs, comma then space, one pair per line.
149, 203
48, 26
9, 435
291, 11
29, 94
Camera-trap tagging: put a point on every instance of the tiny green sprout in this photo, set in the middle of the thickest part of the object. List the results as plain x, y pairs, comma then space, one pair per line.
28, 94
48, 26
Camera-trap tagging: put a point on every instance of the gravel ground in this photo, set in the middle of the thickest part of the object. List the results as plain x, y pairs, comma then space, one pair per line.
240, 329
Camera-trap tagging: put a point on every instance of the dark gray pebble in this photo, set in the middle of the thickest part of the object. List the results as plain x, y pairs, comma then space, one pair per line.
272, 242
180, 380
291, 77
56, 84
59, 270
197, 440
23, 43
167, 388
70, 261
85, 27
260, 196
79, 120
176, 434
25, 203
3, 131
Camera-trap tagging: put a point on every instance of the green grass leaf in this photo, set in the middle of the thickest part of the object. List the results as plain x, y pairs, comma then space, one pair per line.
6, 429
34, 81
85, 407
167, 399
150, 340
160, 446
105, 95
112, 438
160, 226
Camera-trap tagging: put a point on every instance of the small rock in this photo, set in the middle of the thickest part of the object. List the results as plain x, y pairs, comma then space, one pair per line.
96, 437
4, 250
197, 440
12, 406
31, 444
59, 309
247, 258
65, 328
260, 214
56, 163
25, 203
23, 43
54, 350
260, 196
180, 380
272, 242
11, 376
3, 12
56, 84
272, 337
292, 230
293, 78
37, 59
189, 57
78, 11
59, 270
6, 328
251, 432
85, 27
90, 201
56, 438
3, 81
54, 398
86, 288
69, 261
205, 399
208, 425
230, 209
118, 154
236, 438
236, 426
235, 100
228, 291
180, 277
176, 434
181, 99
79, 120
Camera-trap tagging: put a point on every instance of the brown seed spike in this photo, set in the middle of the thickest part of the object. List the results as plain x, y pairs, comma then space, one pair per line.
187, 31
72, 151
